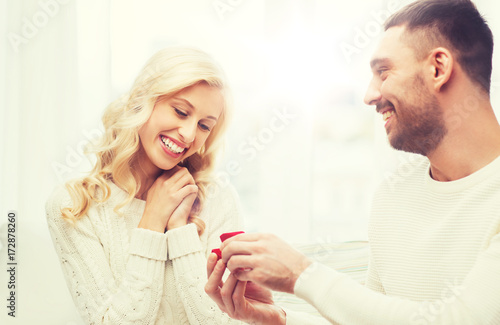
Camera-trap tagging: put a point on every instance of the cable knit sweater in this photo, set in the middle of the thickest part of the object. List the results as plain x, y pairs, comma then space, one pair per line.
120, 274
435, 256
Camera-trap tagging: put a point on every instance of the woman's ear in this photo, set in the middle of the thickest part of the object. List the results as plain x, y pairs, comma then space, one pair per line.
441, 63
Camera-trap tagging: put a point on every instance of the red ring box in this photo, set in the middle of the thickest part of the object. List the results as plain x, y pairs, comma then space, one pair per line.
223, 237
218, 252
228, 235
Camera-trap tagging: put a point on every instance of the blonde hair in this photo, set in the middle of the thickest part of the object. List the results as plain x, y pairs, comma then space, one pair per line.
166, 73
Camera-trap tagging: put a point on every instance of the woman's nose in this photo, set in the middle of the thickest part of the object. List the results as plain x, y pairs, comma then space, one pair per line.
187, 131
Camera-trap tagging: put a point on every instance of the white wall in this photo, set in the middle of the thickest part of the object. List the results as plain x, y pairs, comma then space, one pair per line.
310, 180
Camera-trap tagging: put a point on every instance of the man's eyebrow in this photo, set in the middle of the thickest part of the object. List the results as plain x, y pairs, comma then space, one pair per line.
192, 107
378, 61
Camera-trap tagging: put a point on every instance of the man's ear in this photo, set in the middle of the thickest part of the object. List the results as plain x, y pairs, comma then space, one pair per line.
441, 63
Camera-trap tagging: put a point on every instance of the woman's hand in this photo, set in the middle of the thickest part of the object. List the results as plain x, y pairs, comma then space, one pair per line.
180, 215
171, 195
241, 300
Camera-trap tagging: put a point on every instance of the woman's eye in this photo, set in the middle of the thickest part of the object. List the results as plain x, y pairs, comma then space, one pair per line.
204, 127
180, 113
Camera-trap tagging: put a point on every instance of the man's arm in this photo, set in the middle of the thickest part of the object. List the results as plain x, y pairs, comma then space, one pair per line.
272, 263
250, 302
264, 259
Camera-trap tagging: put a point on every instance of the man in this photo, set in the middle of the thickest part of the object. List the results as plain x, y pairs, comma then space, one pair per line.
434, 232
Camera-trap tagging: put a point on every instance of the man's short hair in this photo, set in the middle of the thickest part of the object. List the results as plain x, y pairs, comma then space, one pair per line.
454, 24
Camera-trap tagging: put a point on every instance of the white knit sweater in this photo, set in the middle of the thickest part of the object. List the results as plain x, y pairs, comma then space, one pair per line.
435, 255
120, 274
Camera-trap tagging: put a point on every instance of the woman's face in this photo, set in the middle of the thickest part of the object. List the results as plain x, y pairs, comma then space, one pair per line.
179, 126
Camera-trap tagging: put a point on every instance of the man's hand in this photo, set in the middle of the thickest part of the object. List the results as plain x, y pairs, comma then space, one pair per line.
241, 300
264, 259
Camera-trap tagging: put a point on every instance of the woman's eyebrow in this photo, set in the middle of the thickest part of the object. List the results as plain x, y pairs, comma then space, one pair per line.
185, 101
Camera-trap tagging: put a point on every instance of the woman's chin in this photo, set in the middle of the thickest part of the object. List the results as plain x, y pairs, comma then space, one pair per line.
166, 167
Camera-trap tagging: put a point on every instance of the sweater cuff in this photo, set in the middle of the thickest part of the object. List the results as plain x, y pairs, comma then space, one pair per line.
302, 318
148, 243
294, 318
310, 285
183, 240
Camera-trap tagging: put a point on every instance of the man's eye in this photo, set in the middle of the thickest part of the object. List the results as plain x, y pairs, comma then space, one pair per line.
381, 71
180, 113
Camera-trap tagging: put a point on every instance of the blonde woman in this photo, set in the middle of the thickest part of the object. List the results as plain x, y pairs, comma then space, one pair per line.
134, 235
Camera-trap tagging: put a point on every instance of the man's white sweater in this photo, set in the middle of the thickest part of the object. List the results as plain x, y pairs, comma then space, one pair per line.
434, 255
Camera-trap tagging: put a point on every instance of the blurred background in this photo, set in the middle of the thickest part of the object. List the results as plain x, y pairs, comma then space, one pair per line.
304, 153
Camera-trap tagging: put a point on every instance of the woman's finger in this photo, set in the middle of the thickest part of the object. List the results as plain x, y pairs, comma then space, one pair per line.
227, 293
185, 191
239, 299
214, 283
184, 179
211, 262
177, 180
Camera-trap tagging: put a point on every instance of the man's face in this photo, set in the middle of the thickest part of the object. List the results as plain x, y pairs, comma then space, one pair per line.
414, 119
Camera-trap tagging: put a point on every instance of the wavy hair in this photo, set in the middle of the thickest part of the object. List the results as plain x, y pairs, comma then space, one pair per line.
169, 71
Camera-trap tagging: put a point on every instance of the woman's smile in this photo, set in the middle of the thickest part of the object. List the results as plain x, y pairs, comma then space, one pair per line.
171, 147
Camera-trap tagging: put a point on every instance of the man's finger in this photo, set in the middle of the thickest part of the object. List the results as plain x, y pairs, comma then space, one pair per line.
244, 275
245, 262
242, 237
237, 248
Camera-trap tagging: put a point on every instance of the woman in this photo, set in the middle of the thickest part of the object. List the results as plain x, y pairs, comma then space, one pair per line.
134, 235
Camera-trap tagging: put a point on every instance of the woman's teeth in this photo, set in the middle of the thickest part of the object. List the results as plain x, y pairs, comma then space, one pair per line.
388, 114
172, 146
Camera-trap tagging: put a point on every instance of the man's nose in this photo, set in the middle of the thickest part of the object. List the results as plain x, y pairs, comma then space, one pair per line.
372, 96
